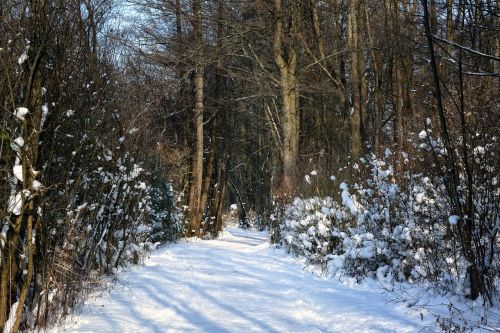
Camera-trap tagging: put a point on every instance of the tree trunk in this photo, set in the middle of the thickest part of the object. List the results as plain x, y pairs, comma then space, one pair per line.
182, 101
218, 199
362, 77
289, 91
290, 134
352, 37
197, 164
377, 89
398, 115
209, 170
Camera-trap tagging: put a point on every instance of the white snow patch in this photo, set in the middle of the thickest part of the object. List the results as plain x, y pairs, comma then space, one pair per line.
453, 219
422, 135
17, 144
9, 324
141, 186
348, 201
479, 151
3, 237
36, 185
21, 113
15, 204
18, 172
22, 58
45, 113
325, 210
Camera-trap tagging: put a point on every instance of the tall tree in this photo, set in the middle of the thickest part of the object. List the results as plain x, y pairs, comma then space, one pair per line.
197, 164
353, 40
285, 56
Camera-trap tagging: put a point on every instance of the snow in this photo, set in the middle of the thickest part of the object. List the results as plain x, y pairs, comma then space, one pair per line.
3, 237
18, 143
387, 152
15, 204
422, 135
453, 219
135, 172
325, 210
479, 151
36, 185
238, 283
133, 130
384, 278
12, 318
20, 113
18, 171
348, 201
22, 58
45, 112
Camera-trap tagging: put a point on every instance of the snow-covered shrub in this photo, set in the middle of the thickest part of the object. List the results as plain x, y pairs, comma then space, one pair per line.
382, 230
77, 200
307, 225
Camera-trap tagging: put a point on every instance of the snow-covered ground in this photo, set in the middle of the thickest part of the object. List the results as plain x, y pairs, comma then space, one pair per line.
238, 283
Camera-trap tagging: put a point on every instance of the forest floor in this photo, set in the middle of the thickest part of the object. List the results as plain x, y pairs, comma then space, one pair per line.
239, 283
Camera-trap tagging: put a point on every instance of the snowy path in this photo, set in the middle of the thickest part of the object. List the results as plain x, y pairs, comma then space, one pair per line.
237, 283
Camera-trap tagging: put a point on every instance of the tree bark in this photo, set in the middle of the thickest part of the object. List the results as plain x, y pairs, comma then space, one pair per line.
209, 170
398, 115
377, 89
352, 37
289, 90
363, 92
218, 199
197, 164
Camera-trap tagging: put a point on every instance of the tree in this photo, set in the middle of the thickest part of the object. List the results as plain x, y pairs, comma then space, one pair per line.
285, 56
197, 164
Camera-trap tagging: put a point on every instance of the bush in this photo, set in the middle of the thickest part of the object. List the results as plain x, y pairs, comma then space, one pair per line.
385, 231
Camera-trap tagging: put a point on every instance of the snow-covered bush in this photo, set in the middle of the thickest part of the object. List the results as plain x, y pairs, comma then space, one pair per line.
76, 196
383, 230
307, 226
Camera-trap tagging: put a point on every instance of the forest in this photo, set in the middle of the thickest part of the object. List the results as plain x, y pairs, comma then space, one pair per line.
362, 134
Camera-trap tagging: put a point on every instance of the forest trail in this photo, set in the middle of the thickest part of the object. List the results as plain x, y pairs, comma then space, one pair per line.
236, 283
